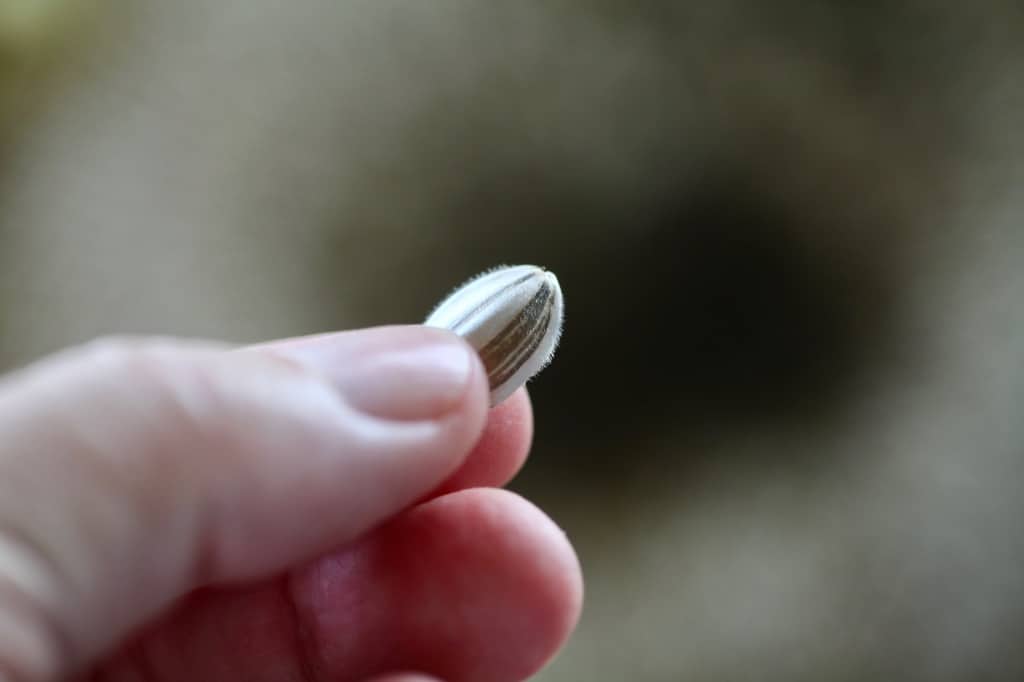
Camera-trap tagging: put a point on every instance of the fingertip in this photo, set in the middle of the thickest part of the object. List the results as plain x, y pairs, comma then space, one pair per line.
501, 449
466, 421
510, 568
402, 374
542, 556
398, 372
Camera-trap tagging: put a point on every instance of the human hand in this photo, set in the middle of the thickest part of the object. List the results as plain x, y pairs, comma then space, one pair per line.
313, 509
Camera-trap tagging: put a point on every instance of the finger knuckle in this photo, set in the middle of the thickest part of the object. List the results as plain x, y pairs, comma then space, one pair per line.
158, 376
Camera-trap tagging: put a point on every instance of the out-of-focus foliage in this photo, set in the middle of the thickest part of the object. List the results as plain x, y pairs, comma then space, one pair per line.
35, 37
27, 24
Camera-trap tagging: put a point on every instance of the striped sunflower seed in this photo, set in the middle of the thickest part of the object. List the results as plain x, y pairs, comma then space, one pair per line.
512, 316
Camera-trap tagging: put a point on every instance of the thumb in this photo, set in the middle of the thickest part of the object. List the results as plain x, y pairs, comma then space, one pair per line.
133, 472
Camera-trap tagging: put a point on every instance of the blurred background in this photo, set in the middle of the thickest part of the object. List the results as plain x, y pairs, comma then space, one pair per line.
784, 429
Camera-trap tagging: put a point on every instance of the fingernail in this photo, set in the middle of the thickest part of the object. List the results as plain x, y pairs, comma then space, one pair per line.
399, 373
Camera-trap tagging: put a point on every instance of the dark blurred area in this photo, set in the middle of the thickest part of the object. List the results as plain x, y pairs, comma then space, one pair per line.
783, 428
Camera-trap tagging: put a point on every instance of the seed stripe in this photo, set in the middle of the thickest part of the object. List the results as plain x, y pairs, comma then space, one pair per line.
506, 348
455, 327
511, 368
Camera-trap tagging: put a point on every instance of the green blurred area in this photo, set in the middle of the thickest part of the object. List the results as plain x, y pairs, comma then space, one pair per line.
36, 38
25, 25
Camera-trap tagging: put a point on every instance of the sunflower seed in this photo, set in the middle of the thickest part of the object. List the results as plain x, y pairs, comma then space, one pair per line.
512, 316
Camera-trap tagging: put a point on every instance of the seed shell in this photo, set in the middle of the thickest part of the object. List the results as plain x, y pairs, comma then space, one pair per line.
512, 316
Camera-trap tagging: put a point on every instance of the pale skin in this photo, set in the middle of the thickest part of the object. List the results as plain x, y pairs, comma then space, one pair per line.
312, 510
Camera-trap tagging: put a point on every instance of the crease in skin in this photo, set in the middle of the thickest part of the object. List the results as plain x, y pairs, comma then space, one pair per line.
309, 665
45, 650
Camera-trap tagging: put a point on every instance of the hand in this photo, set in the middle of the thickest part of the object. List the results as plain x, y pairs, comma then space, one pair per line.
310, 510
